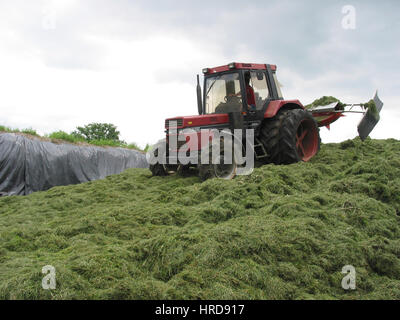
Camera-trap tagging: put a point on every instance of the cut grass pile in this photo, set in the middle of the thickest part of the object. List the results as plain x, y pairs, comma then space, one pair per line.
283, 232
324, 101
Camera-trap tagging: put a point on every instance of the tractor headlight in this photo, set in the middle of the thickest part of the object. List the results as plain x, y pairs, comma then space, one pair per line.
205, 70
231, 65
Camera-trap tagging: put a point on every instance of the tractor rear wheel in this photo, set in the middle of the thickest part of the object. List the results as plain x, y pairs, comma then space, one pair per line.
291, 136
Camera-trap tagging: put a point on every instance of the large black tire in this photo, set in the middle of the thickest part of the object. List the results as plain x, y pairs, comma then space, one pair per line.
290, 136
183, 170
205, 171
158, 170
222, 171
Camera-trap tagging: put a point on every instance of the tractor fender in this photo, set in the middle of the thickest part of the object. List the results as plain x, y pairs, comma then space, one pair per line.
276, 105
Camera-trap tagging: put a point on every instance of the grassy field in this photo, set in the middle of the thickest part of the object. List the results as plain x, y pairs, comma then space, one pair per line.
284, 232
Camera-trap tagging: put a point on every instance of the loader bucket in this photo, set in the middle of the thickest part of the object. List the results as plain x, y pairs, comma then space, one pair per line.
370, 119
325, 115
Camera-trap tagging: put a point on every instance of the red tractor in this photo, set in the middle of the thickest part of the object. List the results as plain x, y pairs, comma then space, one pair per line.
247, 96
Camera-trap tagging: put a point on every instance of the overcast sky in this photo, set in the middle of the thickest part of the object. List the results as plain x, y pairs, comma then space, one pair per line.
66, 63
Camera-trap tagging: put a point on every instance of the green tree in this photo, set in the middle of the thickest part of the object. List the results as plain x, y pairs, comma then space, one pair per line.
98, 131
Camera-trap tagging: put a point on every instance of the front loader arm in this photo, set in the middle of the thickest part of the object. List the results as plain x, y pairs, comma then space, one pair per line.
325, 115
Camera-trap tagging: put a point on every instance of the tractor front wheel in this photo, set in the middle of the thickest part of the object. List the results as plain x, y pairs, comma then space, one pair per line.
217, 167
158, 169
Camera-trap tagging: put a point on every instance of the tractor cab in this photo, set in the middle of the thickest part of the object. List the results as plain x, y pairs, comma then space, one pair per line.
239, 87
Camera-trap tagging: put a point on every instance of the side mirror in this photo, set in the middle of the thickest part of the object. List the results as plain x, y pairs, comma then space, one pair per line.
260, 75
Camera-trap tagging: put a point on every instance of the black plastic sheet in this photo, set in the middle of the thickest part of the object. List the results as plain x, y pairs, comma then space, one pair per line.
28, 165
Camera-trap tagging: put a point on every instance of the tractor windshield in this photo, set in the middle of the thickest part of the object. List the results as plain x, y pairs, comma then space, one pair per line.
222, 93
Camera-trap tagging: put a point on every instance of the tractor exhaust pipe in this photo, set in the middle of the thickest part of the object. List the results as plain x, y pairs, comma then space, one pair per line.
199, 100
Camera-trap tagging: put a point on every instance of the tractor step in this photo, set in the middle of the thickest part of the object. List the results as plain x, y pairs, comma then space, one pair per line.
259, 150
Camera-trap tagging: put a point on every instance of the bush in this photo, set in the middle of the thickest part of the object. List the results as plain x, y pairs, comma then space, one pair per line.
110, 143
30, 131
134, 146
62, 135
98, 131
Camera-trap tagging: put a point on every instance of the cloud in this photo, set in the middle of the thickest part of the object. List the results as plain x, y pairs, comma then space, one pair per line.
68, 63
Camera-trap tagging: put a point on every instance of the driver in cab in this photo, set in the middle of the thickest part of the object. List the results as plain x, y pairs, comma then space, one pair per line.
251, 100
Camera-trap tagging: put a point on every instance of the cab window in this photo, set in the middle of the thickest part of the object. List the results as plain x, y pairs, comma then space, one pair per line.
222, 93
259, 83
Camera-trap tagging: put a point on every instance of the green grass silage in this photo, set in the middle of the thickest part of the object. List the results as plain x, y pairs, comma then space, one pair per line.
284, 232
